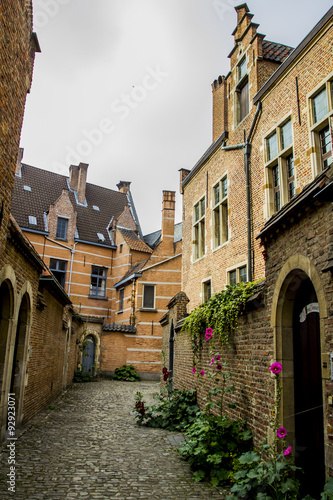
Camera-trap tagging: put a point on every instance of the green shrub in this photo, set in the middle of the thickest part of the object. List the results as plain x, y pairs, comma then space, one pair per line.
175, 410
126, 373
82, 376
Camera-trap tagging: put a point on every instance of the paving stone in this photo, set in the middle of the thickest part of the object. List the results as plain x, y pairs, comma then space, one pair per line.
91, 447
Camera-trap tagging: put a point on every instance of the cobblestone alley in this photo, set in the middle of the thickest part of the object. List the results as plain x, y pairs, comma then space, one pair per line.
90, 447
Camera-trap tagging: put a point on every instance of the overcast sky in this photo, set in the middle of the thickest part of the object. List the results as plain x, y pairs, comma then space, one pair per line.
125, 86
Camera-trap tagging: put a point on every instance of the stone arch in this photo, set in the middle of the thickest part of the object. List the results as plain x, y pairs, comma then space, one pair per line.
20, 348
296, 272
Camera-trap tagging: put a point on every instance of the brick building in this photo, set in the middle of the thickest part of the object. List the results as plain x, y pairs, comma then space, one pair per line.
38, 352
118, 280
258, 204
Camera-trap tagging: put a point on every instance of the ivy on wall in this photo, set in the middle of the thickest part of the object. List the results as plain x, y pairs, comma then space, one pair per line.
220, 312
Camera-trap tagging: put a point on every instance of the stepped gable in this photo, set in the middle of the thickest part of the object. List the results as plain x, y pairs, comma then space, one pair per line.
46, 187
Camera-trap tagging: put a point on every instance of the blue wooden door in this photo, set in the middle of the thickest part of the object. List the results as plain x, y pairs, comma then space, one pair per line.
88, 355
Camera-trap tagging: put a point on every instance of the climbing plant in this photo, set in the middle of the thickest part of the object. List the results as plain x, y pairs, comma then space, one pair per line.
220, 312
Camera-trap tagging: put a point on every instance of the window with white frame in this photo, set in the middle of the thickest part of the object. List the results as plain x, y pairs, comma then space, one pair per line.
237, 275
279, 166
98, 282
58, 268
61, 233
206, 290
148, 300
199, 212
321, 108
220, 213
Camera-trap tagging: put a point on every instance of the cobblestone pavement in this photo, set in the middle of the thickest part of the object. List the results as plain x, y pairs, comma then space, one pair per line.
89, 447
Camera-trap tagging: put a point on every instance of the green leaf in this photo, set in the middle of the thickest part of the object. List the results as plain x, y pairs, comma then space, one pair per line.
249, 458
199, 475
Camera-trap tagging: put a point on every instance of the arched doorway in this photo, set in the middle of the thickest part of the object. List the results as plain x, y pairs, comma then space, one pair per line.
19, 357
5, 317
88, 354
298, 339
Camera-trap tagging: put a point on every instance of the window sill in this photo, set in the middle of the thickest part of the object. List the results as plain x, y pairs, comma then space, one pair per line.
147, 309
199, 259
220, 246
96, 297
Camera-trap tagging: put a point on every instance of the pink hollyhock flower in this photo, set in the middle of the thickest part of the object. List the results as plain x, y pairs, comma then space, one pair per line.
281, 432
209, 334
202, 372
218, 357
194, 370
276, 368
287, 451
212, 362
219, 367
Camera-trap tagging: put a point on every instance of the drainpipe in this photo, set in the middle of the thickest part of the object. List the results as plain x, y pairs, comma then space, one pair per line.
247, 146
71, 270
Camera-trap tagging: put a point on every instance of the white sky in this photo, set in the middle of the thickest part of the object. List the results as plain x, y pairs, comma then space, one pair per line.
140, 72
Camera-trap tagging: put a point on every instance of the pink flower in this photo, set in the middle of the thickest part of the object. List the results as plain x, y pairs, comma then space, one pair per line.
287, 451
218, 357
209, 334
202, 372
281, 432
194, 370
212, 362
276, 368
219, 367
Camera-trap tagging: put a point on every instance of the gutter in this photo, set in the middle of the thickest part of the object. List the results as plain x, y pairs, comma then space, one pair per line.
247, 146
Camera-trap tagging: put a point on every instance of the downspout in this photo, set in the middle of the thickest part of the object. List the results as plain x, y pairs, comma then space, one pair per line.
247, 146
71, 270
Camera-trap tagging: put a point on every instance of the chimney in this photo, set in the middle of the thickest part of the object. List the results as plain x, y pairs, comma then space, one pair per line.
78, 180
81, 189
220, 107
123, 186
168, 218
19, 161
183, 174
73, 177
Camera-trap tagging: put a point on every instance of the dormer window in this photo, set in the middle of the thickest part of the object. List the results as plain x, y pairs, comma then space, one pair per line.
27, 188
95, 207
32, 220
100, 236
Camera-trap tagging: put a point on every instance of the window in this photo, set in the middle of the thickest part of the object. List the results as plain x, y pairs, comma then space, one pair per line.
321, 106
61, 233
280, 174
242, 92
98, 281
237, 275
121, 299
206, 290
58, 268
148, 301
199, 229
220, 213
32, 220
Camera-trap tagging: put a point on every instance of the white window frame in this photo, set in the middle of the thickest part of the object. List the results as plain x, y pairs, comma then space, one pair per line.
222, 208
199, 230
237, 268
279, 161
143, 296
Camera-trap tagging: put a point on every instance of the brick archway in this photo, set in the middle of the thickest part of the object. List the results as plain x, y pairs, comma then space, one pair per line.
296, 272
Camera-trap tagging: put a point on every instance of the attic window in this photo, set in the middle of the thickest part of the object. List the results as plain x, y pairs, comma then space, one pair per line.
32, 220
95, 207
100, 237
27, 188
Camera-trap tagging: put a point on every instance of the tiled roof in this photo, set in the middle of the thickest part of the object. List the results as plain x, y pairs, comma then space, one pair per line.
114, 327
275, 51
153, 239
134, 241
46, 187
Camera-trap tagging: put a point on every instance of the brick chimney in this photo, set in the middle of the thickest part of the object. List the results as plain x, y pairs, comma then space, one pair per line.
19, 161
81, 189
123, 186
78, 180
220, 107
168, 220
183, 174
